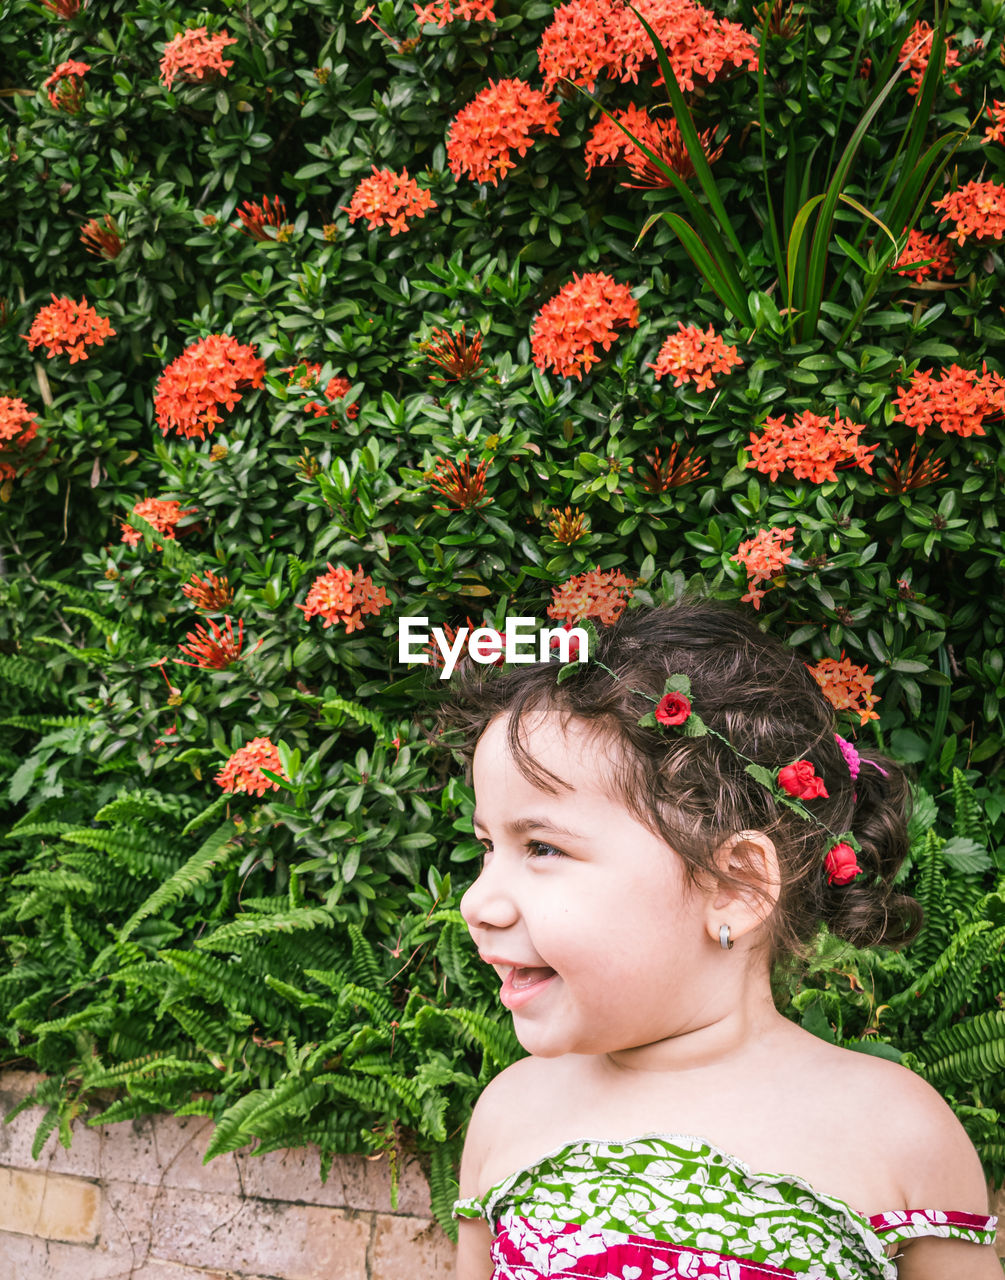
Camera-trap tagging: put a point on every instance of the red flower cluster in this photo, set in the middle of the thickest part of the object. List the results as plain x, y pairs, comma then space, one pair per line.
64, 9
162, 514
456, 356
212, 372
912, 473
337, 388
66, 86
101, 240
389, 199
464, 489
243, 771
443, 11
917, 50
211, 594
800, 780
812, 448
216, 651
608, 144
497, 121
666, 473
343, 596
847, 687
194, 54
977, 208
590, 37
582, 314
921, 250
959, 400
17, 427
65, 325
256, 218
600, 593
764, 556
693, 355
995, 132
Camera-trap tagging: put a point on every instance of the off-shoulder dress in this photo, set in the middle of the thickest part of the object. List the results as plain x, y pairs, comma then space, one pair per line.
675, 1207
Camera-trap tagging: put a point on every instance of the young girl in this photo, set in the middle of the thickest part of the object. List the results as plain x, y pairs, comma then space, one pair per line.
639, 884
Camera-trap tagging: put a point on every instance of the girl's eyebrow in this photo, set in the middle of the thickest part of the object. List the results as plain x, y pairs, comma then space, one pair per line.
519, 826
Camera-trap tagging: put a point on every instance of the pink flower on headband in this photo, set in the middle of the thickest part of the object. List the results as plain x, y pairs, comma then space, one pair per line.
672, 708
851, 757
800, 780
841, 864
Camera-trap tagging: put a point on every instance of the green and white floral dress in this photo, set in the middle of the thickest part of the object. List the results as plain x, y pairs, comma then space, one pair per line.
675, 1207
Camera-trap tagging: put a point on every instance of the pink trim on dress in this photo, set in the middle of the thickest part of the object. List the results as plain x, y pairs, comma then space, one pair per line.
532, 1252
925, 1217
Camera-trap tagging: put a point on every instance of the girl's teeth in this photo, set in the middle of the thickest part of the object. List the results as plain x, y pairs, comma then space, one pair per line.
527, 977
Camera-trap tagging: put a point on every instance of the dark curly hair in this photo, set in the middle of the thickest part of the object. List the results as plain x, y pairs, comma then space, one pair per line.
694, 792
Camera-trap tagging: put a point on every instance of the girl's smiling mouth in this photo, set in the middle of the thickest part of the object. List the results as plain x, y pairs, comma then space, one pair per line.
522, 984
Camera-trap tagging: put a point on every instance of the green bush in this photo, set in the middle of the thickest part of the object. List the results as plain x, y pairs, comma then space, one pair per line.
135, 889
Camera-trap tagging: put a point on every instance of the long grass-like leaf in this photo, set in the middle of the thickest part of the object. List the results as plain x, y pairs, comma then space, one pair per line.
795, 241
702, 169
721, 274
733, 300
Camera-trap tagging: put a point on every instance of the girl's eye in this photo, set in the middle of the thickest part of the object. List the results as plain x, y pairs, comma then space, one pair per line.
538, 849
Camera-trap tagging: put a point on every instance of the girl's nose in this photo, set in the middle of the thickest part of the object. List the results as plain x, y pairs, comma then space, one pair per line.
489, 902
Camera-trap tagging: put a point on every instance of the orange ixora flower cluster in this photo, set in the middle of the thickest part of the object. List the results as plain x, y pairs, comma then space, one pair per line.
568, 526
388, 200
65, 9
213, 372
101, 238
847, 687
694, 355
661, 474
588, 38
195, 54
65, 325
995, 132
216, 649
917, 50
599, 593
812, 448
583, 314
608, 144
66, 86
210, 594
959, 401
265, 221
343, 596
160, 513
977, 208
443, 11
764, 556
499, 120
307, 375
17, 427
926, 257
243, 771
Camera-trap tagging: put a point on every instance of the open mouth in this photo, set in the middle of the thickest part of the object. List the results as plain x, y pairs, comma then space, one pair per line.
522, 978
521, 985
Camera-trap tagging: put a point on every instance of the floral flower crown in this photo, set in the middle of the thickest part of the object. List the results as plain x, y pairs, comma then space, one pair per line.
791, 785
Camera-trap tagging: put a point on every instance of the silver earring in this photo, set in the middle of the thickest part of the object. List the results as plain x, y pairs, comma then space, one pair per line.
724, 941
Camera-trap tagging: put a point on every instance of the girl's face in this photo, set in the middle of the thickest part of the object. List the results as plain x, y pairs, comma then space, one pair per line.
581, 910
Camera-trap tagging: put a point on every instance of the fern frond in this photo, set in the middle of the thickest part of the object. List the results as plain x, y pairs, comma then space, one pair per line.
495, 1039
213, 853
137, 850
969, 820
365, 962
443, 1189
970, 1050
335, 710
377, 1005
245, 930
26, 673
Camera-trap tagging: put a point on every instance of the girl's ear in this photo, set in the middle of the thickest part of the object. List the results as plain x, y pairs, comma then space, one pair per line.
750, 857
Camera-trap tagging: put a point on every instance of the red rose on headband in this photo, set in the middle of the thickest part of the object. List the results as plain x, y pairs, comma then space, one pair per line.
800, 780
841, 865
672, 708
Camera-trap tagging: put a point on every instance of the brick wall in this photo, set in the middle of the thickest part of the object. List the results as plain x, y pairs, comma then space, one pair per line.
133, 1201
